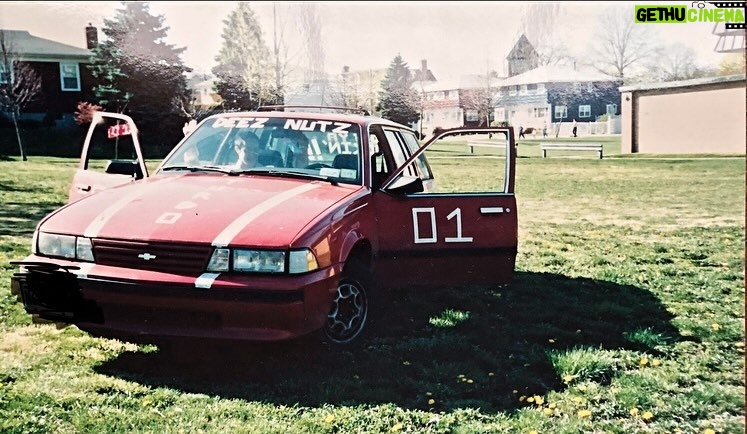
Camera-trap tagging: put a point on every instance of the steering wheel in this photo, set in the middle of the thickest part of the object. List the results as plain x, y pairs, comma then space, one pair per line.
318, 166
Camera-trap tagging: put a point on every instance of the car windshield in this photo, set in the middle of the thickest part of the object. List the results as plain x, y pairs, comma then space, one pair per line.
252, 144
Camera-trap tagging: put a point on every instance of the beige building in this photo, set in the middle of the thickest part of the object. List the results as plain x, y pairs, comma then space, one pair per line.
704, 115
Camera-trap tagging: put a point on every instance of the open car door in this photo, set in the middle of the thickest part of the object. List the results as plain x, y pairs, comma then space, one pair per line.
111, 156
449, 218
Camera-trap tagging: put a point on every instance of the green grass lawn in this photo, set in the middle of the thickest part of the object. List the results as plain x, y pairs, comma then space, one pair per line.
626, 316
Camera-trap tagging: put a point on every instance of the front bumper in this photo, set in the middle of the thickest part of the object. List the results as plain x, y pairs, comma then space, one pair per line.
107, 301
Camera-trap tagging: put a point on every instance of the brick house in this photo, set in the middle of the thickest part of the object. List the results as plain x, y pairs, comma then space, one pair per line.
60, 68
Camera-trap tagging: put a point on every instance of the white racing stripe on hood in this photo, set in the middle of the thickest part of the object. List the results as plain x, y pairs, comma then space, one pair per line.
95, 226
226, 236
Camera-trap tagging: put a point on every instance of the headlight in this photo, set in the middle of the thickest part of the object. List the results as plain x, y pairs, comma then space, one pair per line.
301, 261
64, 246
57, 245
261, 261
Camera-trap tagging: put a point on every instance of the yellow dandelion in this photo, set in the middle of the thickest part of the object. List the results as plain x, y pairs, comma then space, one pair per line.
530, 399
709, 431
431, 401
582, 388
146, 402
329, 419
406, 363
490, 374
514, 391
538, 400
716, 326
584, 413
578, 400
655, 362
644, 361
552, 405
470, 381
547, 411
533, 432
634, 411
552, 341
647, 415
522, 398
568, 378
460, 376
397, 427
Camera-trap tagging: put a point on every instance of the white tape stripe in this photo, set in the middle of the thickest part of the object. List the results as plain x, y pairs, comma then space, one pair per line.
491, 210
226, 236
205, 281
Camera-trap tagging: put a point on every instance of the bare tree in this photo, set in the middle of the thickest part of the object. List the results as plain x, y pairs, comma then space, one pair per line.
19, 85
543, 24
619, 43
674, 62
311, 28
282, 56
481, 98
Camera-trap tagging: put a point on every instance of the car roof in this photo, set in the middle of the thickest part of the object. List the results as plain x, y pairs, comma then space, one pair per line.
360, 119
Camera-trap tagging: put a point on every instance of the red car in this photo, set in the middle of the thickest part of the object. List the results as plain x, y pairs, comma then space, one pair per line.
263, 225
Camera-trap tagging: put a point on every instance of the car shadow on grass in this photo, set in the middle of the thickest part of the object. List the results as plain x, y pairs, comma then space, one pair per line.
439, 349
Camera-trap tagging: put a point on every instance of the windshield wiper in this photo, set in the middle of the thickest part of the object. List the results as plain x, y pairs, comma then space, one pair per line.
274, 172
198, 169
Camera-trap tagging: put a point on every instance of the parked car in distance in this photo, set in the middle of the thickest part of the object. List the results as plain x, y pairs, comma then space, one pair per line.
263, 226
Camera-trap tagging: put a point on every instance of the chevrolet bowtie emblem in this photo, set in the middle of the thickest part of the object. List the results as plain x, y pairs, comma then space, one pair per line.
146, 256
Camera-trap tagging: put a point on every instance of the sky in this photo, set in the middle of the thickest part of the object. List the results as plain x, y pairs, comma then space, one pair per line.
454, 37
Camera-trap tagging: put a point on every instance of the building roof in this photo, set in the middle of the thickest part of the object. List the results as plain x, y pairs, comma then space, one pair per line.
555, 74
467, 81
31, 47
684, 83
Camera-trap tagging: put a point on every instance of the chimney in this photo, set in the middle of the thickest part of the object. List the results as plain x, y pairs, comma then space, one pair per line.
92, 37
345, 69
424, 65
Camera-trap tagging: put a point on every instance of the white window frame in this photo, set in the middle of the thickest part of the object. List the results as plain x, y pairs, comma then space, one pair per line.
63, 72
523, 89
614, 109
5, 76
561, 112
541, 88
512, 90
585, 113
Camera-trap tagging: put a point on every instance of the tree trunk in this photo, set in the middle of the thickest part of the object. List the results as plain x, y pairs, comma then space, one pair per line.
18, 136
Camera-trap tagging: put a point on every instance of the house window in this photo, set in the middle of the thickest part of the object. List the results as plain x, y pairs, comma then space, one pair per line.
472, 116
540, 88
590, 87
70, 76
446, 94
584, 111
523, 90
500, 92
5, 76
611, 109
531, 89
512, 90
539, 112
561, 112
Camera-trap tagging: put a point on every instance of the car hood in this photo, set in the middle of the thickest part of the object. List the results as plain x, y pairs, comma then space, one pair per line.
201, 208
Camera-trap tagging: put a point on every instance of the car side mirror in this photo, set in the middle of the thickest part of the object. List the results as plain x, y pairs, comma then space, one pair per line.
406, 185
124, 167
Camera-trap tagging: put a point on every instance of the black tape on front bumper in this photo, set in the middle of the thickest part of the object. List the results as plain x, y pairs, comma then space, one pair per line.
53, 293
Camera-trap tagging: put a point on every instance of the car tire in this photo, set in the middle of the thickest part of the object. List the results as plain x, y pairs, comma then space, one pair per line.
351, 313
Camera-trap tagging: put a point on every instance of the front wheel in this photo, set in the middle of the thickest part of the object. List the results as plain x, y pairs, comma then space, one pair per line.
350, 313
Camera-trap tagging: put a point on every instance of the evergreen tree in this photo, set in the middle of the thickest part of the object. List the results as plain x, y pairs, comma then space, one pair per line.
243, 69
398, 101
139, 74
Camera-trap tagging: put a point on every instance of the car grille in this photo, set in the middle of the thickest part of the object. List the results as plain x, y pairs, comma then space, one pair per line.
163, 257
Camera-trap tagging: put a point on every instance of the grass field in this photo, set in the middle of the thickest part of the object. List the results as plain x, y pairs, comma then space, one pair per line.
626, 316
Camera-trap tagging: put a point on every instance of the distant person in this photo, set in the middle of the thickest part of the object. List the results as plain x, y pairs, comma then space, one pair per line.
544, 130
247, 149
521, 132
575, 128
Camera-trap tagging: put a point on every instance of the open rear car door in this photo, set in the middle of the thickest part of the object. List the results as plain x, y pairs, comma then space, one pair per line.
111, 156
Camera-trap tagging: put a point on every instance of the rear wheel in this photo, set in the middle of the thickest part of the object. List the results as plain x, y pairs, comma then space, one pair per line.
350, 314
